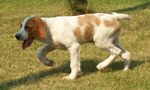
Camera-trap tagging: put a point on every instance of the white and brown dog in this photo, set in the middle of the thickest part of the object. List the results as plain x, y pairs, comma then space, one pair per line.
69, 32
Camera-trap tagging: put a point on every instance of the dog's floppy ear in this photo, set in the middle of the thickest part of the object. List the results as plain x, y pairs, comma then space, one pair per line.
40, 27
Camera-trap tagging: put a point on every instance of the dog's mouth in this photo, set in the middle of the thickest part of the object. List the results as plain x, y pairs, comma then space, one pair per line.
27, 43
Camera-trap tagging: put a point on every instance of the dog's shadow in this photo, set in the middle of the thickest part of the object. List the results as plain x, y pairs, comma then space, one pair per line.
87, 66
119, 65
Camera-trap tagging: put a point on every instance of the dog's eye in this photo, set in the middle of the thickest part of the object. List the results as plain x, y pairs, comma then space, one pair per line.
27, 27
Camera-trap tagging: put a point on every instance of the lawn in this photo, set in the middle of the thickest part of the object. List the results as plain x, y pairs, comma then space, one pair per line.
21, 70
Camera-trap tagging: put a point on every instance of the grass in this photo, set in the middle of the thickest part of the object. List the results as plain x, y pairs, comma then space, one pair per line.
21, 70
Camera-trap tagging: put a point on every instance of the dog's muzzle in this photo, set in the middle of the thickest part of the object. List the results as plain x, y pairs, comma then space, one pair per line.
18, 36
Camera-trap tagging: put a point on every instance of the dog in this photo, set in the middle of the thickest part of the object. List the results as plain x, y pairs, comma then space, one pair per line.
69, 32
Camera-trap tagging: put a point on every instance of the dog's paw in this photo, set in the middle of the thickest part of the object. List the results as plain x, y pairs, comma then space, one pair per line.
49, 63
100, 66
126, 68
69, 78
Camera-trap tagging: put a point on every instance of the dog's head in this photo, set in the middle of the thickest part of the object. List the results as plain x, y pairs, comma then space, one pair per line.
30, 29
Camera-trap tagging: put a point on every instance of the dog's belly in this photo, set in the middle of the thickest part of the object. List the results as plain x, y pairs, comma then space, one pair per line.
60, 46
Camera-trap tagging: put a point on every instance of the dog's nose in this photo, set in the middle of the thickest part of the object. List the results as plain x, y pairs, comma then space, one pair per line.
17, 36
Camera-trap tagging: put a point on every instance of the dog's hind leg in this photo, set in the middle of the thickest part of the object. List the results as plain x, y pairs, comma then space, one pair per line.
42, 55
126, 58
115, 52
125, 55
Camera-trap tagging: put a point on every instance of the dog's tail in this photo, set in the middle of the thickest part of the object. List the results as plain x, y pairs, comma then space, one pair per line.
121, 16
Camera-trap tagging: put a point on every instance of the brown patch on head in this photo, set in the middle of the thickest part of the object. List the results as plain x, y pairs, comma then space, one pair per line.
35, 28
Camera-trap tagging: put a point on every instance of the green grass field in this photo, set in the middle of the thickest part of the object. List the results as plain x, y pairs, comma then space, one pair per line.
21, 70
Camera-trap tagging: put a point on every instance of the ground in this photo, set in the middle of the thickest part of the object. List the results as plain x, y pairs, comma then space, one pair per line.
21, 70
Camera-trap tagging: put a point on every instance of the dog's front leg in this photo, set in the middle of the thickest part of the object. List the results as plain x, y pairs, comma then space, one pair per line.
42, 55
75, 61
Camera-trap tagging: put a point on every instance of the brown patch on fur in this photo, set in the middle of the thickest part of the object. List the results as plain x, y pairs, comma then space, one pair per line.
97, 21
88, 35
36, 28
114, 23
77, 33
88, 21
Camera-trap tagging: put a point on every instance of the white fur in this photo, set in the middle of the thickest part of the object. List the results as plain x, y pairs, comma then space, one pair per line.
61, 34
22, 31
